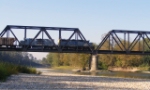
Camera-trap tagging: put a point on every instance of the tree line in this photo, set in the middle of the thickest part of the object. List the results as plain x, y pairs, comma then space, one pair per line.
20, 58
67, 59
104, 60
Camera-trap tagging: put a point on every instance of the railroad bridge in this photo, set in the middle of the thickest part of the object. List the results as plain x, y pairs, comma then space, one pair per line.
125, 40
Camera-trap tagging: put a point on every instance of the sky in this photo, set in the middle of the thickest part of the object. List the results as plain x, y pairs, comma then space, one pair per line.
94, 18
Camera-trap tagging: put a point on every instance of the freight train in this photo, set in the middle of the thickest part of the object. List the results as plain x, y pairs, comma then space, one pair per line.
47, 43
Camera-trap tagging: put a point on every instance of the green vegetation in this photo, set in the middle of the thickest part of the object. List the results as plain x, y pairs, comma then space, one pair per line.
81, 61
142, 62
21, 58
16, 62
144, 68
65, 59
7, 69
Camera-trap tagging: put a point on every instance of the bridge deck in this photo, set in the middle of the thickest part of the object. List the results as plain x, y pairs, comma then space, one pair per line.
71, 50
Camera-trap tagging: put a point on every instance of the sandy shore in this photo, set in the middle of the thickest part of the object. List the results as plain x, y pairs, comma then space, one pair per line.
60, 81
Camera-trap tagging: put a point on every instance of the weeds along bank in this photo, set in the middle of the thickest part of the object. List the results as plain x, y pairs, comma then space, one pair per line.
7, 69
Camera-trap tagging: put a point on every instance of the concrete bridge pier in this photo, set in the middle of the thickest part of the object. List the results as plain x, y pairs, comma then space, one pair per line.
93, 62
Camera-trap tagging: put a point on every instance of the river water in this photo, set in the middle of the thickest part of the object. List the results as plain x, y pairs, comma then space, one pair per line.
118, 74
141, 75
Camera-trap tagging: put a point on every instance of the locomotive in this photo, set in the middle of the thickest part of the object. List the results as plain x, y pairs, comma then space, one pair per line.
37, 43
74, 44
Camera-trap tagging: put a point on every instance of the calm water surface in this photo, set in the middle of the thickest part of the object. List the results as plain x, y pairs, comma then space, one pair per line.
119, 74
140, 75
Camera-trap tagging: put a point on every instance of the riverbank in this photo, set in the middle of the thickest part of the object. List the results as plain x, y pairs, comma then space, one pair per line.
130, 69
61, 81
7, 69
123, 74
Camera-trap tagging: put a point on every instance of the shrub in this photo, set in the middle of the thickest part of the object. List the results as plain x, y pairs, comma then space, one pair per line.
7, 69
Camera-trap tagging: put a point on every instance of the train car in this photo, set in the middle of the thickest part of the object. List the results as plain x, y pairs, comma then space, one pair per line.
75, 44
37, 43
26, 42
7, 41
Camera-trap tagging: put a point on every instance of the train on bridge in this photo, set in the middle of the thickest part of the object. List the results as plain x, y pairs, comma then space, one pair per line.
118, 41
31, 43
4, 41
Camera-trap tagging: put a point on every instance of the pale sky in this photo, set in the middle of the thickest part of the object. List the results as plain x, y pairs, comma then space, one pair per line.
93, 17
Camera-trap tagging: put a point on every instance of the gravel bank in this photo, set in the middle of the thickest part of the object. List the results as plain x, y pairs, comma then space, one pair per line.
59, 81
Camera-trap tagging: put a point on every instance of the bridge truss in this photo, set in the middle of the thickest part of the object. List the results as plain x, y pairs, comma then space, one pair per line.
42, 48
125, 42
114, 42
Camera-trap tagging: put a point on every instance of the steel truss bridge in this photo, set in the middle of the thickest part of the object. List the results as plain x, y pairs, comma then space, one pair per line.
114, 42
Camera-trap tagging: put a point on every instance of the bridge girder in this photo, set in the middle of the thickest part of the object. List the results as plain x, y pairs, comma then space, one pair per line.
123, 42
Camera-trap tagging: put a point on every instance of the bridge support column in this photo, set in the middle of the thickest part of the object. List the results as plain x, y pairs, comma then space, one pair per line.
94, 61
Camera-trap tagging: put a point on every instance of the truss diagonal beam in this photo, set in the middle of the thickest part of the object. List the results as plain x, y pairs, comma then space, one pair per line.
134, 42
117, 42
51, 39
33, 39
145, 42
68, 39
103, 41
14, 36
120, 41
80, 33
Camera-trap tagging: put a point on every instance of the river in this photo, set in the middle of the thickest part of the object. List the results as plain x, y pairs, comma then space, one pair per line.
140, 75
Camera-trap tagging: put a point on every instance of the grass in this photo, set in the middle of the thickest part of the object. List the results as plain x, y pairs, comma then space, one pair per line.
7, 69
144, 68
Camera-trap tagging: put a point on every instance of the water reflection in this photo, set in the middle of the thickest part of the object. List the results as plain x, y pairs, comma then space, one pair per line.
108, 73
118, 74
